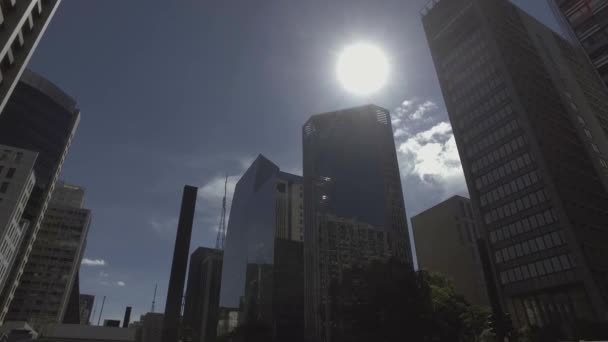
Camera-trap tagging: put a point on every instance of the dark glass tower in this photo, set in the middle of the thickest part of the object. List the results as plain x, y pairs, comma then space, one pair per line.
529, 116
353, 204
262, 274
586, 21
203, 295
38, 117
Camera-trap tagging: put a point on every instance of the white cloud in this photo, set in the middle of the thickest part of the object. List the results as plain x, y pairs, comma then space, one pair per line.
428, 156
163, 226
120, 283
103, 274
93, 262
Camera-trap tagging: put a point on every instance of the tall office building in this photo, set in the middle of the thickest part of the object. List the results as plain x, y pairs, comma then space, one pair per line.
23, 24
585, 21
177, 279
51, 271
41, 118
262, 274
202, 302
86, 302
528, 116
446, 242
353, 204
17, 180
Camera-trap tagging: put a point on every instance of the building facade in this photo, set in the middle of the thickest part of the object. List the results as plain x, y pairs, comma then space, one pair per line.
86, 302
351, 184
529, 117
23, 24
41, 118
17, 180
51, 271
201, 308
446, 242
151, 327
262, 273
585, 21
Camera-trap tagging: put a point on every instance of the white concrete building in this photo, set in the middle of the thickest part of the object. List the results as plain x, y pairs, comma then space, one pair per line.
16, 182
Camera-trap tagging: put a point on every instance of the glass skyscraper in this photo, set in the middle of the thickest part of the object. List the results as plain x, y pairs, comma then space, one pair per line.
353, 203
262, 276
529, 116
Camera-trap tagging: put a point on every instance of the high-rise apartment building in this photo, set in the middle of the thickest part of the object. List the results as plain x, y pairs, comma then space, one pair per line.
202, 302
262, 273
446, 242
585, 21
17, 180
41, 118
352, 197
529, 116
50, 273
23, 23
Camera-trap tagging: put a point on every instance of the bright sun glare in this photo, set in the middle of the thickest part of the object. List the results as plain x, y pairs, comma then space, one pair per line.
362, 68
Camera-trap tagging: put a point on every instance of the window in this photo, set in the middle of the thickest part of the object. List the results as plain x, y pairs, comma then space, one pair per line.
594, 147
3, 187
588, 134
603, 163
10, 173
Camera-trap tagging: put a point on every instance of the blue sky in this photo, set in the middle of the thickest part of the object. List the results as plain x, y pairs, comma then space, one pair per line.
184, 91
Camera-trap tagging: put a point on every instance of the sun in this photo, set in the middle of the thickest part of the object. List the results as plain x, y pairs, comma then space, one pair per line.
362, 69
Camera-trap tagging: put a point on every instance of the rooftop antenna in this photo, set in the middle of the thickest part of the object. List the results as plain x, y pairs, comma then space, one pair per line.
154, 298
221, 230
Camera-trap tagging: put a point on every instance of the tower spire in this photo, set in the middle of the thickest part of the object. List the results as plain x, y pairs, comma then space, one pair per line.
221, 230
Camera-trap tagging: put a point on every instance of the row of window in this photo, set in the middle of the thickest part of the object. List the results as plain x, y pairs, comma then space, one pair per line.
531, 246
487, 122
507, 189
523, 203
469, 103
524, 225
498, 154
538, 269
492, 138
463, 46
467, 69
484, 76
472, 115
504, 170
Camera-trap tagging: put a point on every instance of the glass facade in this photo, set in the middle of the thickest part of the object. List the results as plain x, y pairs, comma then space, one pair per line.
262, 275
353, 204
521, 101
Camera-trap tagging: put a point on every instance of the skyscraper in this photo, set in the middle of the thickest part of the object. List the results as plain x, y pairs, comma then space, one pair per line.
23, 24
353, 204
585, 21
529, 118
51, 272
17, 180
262, 274
446, 242
173, 306
202, 302
41, 118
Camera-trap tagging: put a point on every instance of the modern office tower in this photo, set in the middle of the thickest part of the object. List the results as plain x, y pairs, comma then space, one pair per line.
86, 302
51, 271
17, 180
446, 242
173, 306
39, 117
351, 184
23, 24
203, 295
585, 21
527, 116
262, 274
